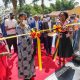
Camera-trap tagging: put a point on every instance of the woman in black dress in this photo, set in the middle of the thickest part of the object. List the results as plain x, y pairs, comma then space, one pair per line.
65, 49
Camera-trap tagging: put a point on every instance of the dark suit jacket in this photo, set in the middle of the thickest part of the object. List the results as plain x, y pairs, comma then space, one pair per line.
46, 26
33, 25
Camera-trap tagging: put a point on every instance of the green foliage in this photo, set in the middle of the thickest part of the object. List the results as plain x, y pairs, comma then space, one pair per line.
21, 2
34, 1
58, 5
26, 8
36, 9
61, 5
30, 9
6, 2
47, 10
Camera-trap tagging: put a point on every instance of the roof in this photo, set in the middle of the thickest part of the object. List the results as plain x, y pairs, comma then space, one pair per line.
76, 10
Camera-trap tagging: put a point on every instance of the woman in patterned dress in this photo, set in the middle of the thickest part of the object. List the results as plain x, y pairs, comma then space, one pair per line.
25, 51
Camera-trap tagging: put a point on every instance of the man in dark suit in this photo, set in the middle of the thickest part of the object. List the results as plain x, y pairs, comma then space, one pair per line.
36, 23
47, 24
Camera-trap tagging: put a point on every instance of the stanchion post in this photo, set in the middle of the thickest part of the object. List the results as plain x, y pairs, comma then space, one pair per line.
39, 53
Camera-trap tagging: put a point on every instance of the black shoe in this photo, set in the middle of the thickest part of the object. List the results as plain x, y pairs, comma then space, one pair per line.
47, 54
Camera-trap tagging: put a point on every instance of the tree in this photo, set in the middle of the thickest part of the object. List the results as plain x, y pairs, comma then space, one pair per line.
68, 4
21, 2
14, 3
61, 5
42, 4
47, 10
34, 1
26, 8
37, 8
6, 2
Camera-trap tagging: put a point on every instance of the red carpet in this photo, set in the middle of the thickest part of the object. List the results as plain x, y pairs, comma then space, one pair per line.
49, 66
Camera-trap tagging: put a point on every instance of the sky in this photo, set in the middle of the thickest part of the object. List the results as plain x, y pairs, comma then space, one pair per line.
46, 2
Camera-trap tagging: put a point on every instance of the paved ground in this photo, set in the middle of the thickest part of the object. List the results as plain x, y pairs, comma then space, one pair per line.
70, 72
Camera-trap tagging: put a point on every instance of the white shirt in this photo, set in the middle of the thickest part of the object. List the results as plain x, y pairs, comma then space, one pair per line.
0, 30
37, 25
10, 25
49, 24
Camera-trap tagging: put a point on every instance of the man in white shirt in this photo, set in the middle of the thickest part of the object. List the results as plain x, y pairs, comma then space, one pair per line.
10, 25
37, 25
36, 22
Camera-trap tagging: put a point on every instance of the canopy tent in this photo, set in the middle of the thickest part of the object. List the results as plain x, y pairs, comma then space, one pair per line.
54, 13
76, 10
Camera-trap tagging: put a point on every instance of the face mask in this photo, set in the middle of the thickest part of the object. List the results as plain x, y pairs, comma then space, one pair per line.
24, 22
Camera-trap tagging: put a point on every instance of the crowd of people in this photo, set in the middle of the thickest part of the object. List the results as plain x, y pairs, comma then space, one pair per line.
26, 46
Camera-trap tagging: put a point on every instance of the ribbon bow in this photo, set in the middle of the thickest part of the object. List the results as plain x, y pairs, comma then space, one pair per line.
36, 34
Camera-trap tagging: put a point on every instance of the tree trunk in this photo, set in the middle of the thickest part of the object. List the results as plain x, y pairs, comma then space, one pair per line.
42, 5
21, 2
14, 3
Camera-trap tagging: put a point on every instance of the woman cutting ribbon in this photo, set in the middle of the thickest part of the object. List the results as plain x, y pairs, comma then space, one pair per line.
64, 47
